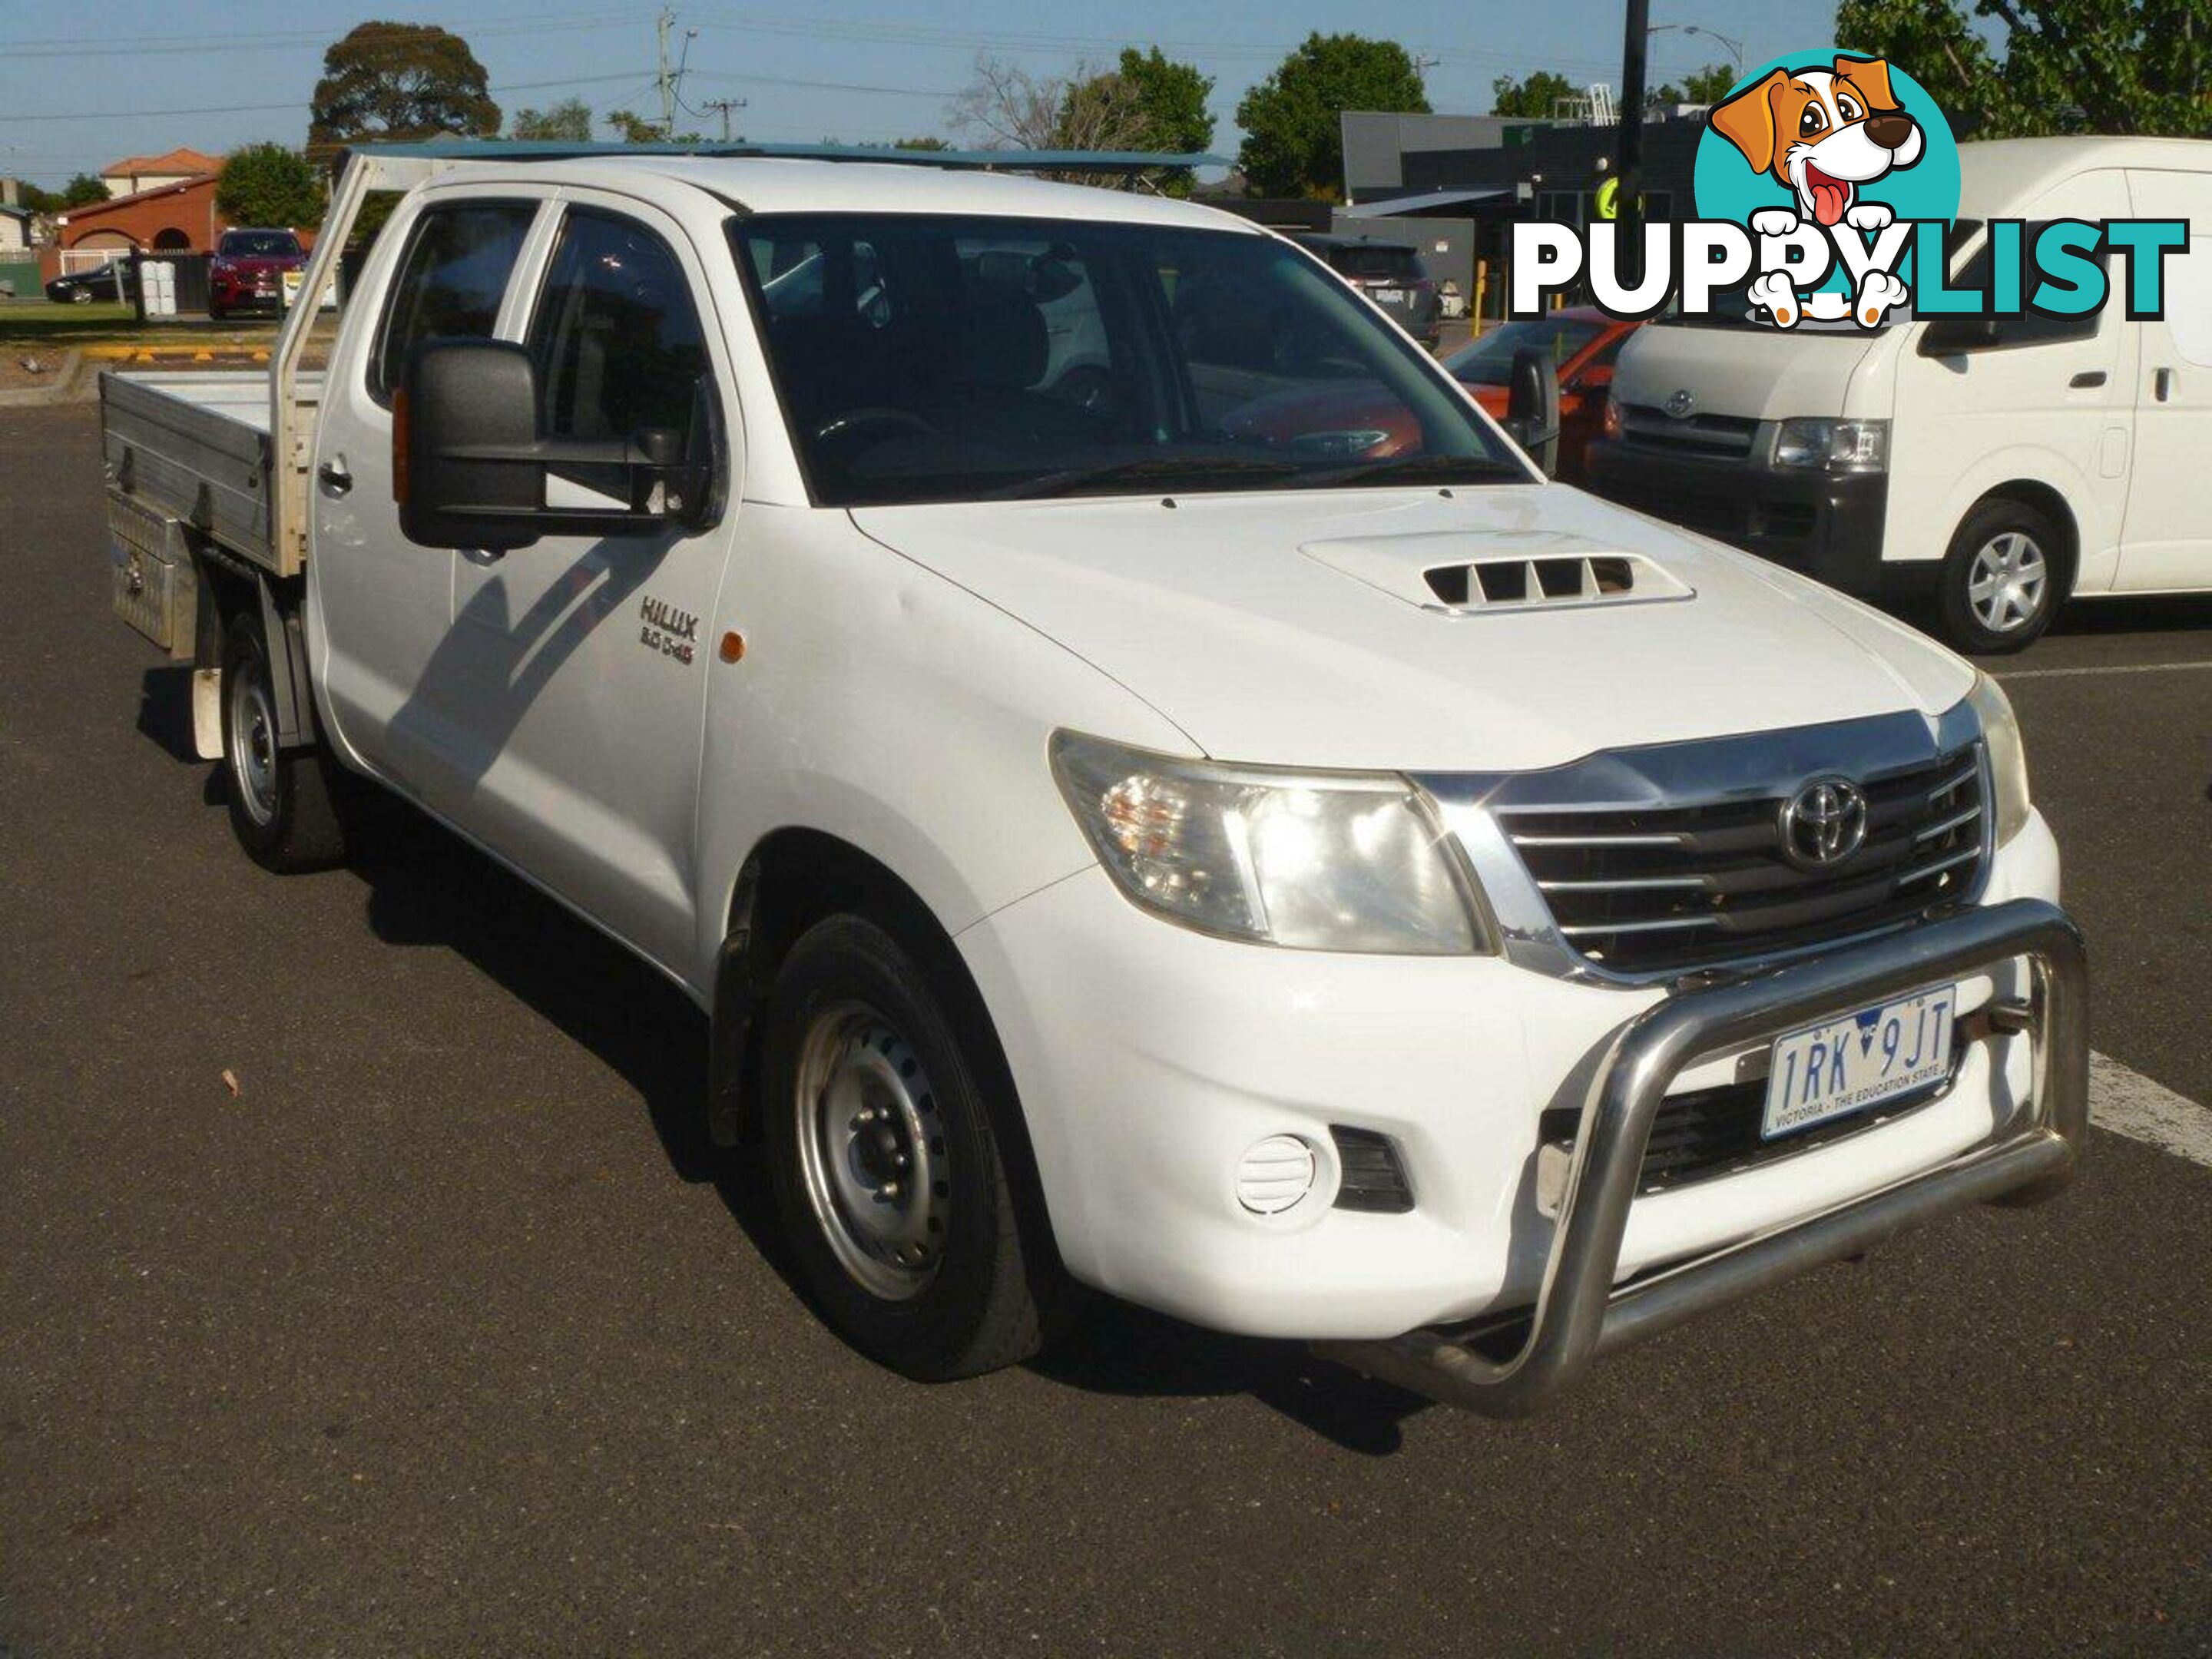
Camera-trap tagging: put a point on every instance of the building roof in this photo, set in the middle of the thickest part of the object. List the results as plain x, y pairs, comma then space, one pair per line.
15, 212
180, 161
1428, 202
116, 203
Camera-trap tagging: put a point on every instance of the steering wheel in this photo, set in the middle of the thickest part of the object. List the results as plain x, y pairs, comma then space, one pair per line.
847, 422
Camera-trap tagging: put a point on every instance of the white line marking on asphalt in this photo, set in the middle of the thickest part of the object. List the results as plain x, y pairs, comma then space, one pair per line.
2110, 668
2128, 1103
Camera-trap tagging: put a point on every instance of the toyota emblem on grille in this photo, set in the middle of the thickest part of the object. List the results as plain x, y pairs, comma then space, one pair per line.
1823, 823
1681, 403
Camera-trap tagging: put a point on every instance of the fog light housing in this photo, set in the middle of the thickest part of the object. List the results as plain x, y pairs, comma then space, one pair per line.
1276, 1174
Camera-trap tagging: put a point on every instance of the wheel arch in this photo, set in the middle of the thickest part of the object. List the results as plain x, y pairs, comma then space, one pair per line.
794, 877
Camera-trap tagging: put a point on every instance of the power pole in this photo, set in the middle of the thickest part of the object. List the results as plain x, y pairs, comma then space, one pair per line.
661, 25
726, 104
1635, 43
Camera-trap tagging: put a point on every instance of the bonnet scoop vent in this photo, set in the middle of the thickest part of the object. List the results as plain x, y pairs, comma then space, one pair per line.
1511, 570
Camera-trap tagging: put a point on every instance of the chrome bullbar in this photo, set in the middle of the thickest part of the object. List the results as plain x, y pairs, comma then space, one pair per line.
1579, 1314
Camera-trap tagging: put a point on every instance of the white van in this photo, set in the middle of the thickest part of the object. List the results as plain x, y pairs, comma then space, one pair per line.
1998, 468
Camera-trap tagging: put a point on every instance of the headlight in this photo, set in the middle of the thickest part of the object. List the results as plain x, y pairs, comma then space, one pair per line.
2007, 758
1834, 446
1611, 416
1314, 861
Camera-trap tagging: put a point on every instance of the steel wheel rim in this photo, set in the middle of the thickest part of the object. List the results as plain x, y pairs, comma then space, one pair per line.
2006, 582
254, 746
872, 1151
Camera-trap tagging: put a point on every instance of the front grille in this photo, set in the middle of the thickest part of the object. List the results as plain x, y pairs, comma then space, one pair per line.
1704, 1134
1714, 437
1648, 889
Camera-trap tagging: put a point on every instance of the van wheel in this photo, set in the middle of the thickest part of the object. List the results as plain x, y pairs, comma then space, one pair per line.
2000, 582
282, 805
889, 1181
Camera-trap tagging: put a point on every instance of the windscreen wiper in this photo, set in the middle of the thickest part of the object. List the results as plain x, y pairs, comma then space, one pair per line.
1154, 469
1419, 469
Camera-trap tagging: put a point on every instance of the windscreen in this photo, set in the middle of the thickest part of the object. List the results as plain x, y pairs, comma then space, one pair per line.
924, 357
1489, 361
259, 244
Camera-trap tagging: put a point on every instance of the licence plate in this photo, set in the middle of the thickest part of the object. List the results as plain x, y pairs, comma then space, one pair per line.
1846, 1065
1388, 296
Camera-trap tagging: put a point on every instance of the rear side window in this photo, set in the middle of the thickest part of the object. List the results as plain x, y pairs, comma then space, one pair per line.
1377, 264
449, 285
616, 338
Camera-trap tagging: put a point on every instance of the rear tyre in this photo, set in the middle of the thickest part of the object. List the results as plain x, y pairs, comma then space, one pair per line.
281, 804
889, 1180
1999, 584
215, 313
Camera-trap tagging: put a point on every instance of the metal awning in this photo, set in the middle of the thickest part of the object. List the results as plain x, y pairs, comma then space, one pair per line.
1400, 207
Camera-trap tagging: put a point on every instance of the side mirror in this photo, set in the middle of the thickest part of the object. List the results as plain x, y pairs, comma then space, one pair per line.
1532, 407
1947, 336
469, 465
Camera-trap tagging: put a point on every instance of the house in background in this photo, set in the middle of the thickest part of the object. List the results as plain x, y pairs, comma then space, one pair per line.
14, 229
134, 175
176, 215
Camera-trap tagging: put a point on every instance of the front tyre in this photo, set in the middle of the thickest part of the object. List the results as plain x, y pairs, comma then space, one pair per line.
1999, 587
890, 1183
281, 805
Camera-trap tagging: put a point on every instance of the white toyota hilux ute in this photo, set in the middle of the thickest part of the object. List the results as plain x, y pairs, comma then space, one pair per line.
1129, 821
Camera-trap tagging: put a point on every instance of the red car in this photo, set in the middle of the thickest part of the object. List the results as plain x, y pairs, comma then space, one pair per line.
1360, 422
248, 271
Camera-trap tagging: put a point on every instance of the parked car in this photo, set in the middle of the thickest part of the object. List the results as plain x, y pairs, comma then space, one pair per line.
248, 271
112, 281
1581, 343
1994, 468
1360, 418
1388, 273
1398, 903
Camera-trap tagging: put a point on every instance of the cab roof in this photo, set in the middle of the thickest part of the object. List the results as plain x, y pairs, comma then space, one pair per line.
834, 178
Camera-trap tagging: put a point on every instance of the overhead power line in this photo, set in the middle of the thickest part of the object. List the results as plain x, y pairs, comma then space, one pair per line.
295, 103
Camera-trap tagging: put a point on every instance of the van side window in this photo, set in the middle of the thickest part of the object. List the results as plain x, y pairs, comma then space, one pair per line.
449, 285
616, 338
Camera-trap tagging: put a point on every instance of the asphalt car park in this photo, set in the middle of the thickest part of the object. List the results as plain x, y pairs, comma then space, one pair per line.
397, 1307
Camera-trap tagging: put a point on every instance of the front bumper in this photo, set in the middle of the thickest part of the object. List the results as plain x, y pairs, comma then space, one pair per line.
1581, 1313
1149, 1059
1827, 525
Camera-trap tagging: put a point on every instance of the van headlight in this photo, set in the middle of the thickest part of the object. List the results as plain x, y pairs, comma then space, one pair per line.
2008, 757
1309, 860
1815, 442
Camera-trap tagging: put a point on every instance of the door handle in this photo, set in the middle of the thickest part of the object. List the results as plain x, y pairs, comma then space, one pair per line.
335, 480
2162, 384
2087, 379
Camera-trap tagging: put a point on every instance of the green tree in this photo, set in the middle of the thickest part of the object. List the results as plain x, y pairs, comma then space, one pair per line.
569, 121
923, 143
1294, 143
399, 82
1709, 85
2117, 66
1536, 98
36, 197
267, 183
1171, 104
83, 191
630, 128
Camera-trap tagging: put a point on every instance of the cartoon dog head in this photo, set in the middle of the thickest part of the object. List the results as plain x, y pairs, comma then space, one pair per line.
1823, 132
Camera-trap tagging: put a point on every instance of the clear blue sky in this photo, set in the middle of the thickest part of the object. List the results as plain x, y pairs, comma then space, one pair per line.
83, 86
